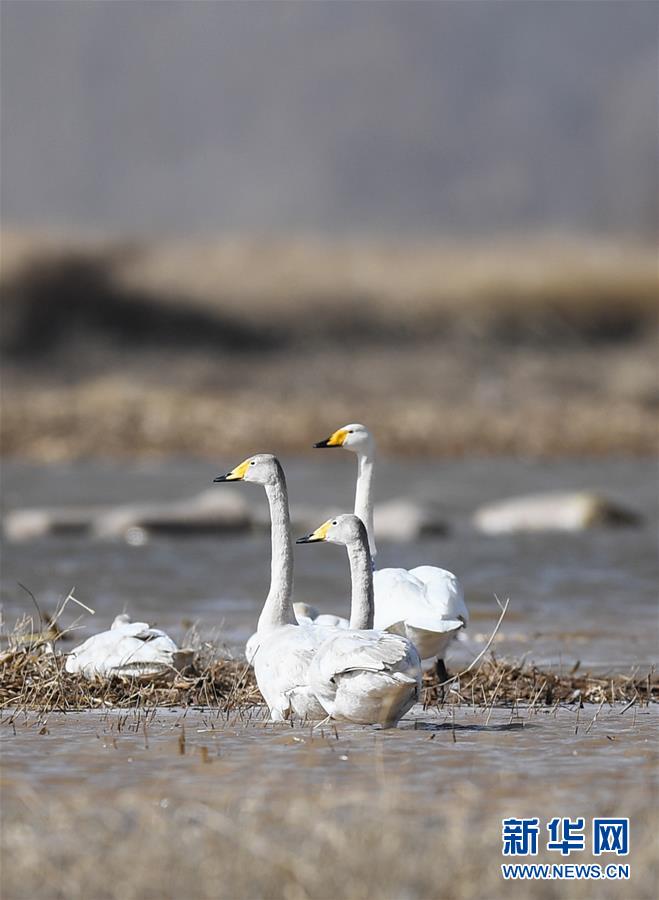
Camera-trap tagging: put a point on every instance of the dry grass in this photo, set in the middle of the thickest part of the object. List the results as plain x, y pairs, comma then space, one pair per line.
33, 680
503, 683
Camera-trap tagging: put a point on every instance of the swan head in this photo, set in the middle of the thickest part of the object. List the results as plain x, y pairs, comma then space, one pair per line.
263, 468
347, 529
353, 437
121, 619
305, 611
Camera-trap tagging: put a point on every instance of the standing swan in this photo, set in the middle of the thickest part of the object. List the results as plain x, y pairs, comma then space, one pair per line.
426, 603
285, 649
362, 675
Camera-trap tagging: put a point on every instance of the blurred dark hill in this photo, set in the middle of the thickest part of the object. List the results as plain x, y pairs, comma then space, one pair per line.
83, 305
454, 117
204, 347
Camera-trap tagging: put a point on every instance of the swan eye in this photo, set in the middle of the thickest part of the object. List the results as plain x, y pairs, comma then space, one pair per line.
351, 431
253, 462
334, 522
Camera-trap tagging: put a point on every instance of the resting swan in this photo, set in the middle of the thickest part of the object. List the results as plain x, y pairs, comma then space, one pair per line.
362, 675
426, 603
127, 649
285, 648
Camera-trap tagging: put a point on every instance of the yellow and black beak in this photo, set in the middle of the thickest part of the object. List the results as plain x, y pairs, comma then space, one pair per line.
334, 440
320, 534
236, 474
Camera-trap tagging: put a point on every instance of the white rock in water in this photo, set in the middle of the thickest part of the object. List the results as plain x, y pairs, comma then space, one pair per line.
28, 524
212, 510
552, 512
406, 520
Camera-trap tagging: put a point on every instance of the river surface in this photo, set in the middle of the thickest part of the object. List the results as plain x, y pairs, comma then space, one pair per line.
588, 597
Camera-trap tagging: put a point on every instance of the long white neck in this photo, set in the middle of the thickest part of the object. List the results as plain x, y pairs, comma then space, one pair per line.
278, 607
363, 495
361, 575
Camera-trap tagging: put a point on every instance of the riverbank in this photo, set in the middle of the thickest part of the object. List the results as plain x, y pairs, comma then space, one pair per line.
31, 680
136, 349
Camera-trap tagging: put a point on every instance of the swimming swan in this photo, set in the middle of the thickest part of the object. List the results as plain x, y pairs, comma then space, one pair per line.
127, 649
426, 603
362, 675
285, 649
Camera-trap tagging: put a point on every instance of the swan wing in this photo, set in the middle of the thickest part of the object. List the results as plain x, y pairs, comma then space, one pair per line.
91, 652
397, 593
434, 624
128, 648
443, 591
426, 604
281, 666
426, 591
367, 677
362, 650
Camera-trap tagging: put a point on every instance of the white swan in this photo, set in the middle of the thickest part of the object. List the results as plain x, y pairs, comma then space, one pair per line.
284, 648
305, 614
127, 649
362, 675
426, 603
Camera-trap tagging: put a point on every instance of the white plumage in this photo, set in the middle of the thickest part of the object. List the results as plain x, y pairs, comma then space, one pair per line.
426, 603
367, 677
281, 665
305, 614
281, 650
362, 675
127, 649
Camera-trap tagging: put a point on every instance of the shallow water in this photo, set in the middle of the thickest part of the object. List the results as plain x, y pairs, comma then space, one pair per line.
575, 750
187, 803
589, 597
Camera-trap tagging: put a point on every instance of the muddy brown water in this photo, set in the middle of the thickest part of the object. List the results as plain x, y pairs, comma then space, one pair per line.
574, 749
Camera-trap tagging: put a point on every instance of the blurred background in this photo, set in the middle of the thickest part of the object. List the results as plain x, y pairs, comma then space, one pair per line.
229, 227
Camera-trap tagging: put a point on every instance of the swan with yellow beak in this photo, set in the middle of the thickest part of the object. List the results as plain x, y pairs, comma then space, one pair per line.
426, 603
285, 648
362, 675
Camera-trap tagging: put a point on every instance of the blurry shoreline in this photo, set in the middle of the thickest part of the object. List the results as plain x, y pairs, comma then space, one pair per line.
145, 349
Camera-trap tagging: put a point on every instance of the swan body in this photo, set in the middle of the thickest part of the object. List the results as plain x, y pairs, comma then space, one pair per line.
281, 665
426, 603
283, 649
305, 615
127, 649
362, 675
308, 615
